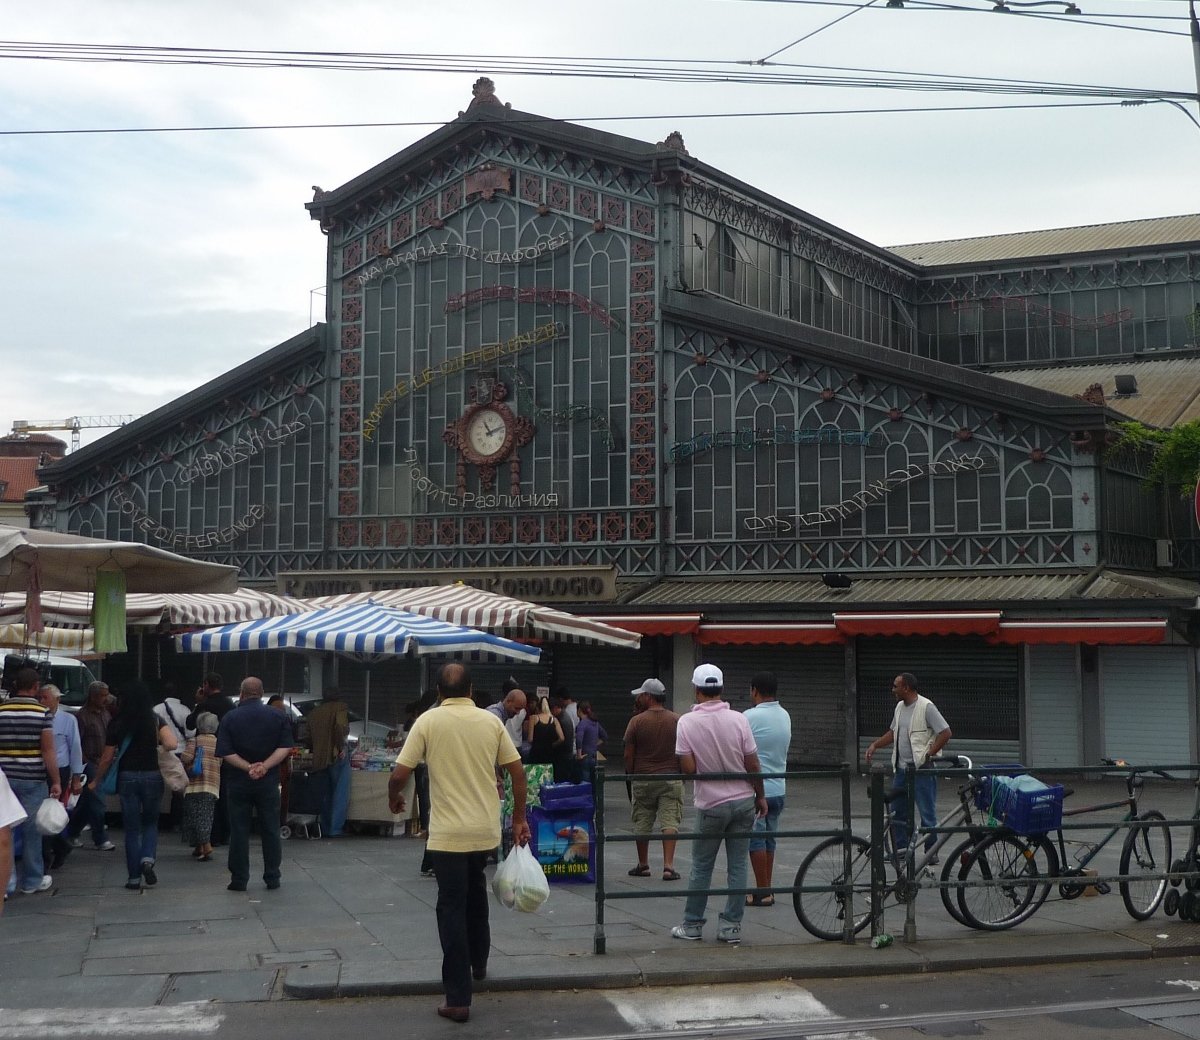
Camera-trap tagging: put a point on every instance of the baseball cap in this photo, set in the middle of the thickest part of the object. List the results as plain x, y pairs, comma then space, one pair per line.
652, 687
706, 676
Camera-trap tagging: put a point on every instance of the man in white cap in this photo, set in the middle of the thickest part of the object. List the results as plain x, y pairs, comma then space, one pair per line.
650, 749
713, 739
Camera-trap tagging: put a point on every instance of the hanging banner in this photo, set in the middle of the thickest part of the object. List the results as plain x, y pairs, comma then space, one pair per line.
108, 612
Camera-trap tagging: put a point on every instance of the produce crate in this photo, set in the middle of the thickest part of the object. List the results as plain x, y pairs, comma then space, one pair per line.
1027, 812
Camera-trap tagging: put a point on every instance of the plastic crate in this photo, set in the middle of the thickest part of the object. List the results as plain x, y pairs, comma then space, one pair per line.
983, 791
1028, 812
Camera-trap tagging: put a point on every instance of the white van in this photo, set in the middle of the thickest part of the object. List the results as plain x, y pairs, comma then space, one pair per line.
69, 674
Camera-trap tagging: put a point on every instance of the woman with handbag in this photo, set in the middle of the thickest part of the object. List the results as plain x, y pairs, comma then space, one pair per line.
139, 733
204, 783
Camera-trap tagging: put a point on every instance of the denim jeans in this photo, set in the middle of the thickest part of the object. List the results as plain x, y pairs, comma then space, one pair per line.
140, 791
248, 796
925, 795
31, 794
716, 824
334, 787
89, 811
766, 826
462, 917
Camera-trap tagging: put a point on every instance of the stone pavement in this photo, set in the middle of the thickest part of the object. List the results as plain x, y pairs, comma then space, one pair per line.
355, 918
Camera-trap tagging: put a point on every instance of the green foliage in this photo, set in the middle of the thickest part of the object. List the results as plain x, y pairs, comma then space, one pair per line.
1176, 452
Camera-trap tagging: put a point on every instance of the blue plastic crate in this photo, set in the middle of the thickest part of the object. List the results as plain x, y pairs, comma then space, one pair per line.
1029, 812
983, 792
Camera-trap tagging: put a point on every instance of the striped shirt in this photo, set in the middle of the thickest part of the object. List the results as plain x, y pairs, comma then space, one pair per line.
22, 721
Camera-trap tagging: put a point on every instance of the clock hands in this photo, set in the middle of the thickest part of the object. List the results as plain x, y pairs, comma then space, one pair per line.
489, 430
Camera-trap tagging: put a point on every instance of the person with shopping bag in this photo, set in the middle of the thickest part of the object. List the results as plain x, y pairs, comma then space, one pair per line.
462, 746
69, 753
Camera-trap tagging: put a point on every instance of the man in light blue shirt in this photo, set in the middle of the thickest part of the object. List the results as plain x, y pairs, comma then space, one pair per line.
772, 729
69, 753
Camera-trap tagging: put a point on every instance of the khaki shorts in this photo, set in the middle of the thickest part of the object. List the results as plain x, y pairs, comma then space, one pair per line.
657, 799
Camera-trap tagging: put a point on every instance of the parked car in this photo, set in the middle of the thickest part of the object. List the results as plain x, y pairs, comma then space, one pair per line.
302, 706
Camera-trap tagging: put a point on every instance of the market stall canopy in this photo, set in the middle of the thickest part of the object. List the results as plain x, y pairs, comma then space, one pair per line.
76, 642
360, 630
70, 562
147, 610
516, 618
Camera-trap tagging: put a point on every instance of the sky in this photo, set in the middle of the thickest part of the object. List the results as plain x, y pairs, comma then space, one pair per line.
137, 266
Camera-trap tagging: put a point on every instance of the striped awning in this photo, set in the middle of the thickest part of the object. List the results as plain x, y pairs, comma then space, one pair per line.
78, 642
474, 608
784, 633
148, 610
360, 629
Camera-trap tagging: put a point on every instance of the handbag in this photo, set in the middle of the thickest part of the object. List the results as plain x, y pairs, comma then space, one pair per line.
108, 783
197, 770
172, 770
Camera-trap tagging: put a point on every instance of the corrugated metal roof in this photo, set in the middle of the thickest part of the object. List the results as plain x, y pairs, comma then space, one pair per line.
1168, 389
806, 594
1054, 242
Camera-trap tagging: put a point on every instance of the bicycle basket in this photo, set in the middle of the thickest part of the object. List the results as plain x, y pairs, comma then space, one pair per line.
983, 790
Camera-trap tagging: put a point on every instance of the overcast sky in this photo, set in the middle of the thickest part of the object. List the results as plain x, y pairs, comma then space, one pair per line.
137, 266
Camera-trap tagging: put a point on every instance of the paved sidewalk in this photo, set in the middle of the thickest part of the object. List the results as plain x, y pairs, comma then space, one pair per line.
354, 918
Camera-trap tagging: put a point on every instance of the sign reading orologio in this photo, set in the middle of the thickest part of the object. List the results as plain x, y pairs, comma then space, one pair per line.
488, 434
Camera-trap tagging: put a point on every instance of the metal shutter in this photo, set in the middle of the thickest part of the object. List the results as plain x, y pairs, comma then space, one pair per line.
812, 687
604, 675
1145, 704
975, 686
1053, 706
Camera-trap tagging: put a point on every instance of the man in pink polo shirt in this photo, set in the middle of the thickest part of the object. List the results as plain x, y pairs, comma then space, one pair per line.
712, 739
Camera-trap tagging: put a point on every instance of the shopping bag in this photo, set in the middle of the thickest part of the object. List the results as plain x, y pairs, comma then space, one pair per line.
51, 817
197, 769
172, 770
108, 782
519, 883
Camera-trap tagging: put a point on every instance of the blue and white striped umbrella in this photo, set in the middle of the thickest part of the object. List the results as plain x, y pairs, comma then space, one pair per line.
363, 630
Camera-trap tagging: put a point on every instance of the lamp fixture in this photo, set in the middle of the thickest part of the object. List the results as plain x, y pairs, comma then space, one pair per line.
1125, 385
834, 580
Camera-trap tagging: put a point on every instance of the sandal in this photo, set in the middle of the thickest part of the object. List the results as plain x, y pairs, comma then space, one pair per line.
670, 875
640, 871
758, 899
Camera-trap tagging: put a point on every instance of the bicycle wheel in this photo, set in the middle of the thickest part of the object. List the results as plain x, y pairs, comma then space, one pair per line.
1147, 851
824, 913
952, 864
1008, 877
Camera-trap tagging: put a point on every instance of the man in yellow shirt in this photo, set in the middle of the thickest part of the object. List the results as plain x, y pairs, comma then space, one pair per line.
462, 746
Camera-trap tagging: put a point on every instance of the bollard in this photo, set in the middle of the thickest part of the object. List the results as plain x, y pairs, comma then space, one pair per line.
878, 872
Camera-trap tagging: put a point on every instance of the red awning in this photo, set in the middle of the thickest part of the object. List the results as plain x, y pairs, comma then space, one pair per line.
1104, 632
652, 624
944, 623
777, 634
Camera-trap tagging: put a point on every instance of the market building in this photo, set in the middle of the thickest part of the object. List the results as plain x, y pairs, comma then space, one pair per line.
597, 372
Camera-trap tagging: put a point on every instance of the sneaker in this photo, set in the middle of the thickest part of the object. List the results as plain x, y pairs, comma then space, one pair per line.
105, 846
76, 843
690, 932
730, 933
41, 886
148, 872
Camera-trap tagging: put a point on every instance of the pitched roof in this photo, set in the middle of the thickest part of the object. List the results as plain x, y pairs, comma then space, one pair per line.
17, 475
1168, 389
1053, 243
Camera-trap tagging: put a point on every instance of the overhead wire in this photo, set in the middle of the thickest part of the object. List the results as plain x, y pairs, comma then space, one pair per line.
819, 29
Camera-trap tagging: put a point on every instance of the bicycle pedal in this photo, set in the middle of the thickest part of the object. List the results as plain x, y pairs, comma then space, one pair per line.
1102, 888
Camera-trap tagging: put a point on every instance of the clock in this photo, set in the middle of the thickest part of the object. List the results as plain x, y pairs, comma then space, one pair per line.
488, 434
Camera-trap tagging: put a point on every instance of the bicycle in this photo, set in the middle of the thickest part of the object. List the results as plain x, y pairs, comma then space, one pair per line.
1007, 876
823, 913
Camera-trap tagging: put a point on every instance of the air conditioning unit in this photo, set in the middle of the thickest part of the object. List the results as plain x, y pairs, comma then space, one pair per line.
1164, 552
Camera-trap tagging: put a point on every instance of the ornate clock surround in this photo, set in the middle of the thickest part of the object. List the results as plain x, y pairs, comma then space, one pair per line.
481, 444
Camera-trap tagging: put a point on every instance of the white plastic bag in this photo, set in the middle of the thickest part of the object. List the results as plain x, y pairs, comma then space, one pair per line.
51, 817
520, 883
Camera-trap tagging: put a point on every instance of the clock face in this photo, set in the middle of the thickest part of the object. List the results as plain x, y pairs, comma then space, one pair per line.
487, 432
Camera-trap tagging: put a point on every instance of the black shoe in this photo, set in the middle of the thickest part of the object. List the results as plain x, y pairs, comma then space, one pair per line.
148, 872
272, 885
236, 886
58, 860
479, 973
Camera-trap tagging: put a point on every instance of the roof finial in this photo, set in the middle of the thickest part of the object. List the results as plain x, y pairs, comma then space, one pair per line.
674, 141
484, 93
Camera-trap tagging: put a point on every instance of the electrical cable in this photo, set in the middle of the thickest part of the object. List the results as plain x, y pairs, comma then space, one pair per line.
820, 29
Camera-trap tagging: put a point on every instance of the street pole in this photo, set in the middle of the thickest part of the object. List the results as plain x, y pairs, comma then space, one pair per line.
1195, 27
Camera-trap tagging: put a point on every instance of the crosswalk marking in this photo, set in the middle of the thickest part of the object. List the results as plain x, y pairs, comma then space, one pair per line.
178, 1020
